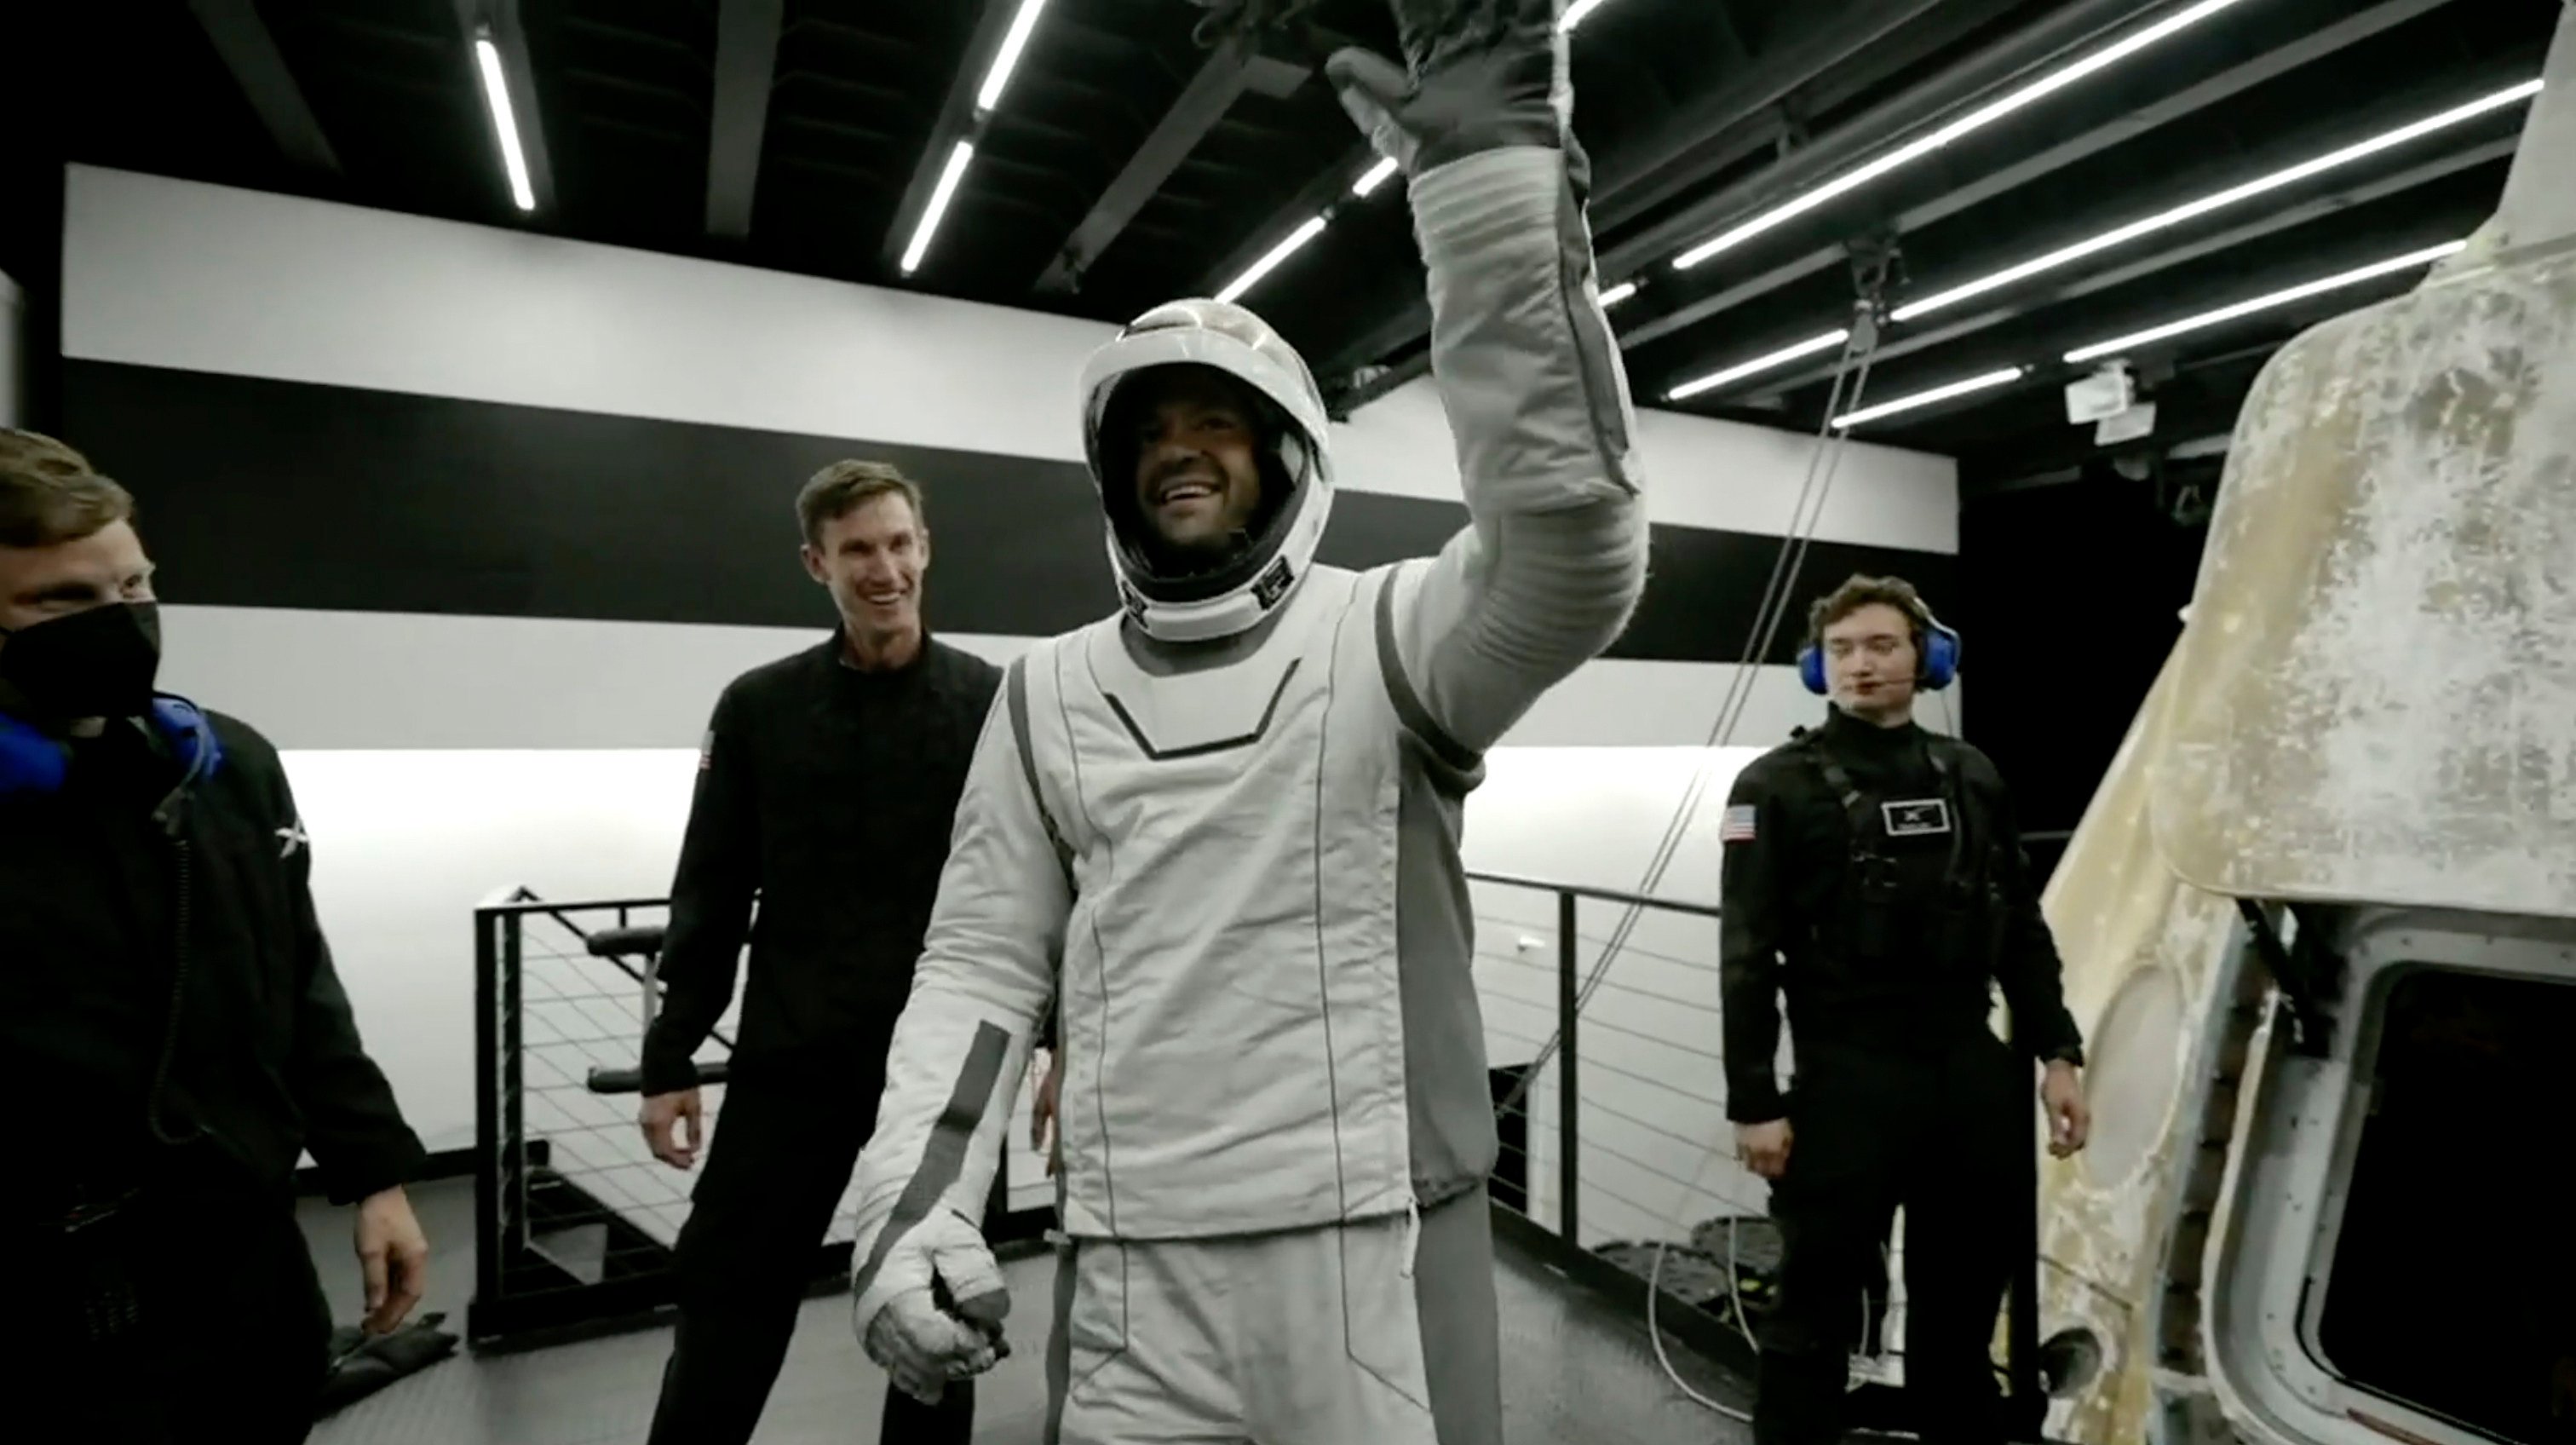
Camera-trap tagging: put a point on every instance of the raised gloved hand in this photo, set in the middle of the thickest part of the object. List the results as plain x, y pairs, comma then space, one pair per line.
1478, 75
932, 1311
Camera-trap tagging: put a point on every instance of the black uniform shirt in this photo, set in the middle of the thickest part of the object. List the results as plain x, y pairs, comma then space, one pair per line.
830, 792
129, 947
1789, 910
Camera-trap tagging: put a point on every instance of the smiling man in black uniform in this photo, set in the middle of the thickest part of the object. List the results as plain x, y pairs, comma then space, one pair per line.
173, 1021
827, 786
1874, 876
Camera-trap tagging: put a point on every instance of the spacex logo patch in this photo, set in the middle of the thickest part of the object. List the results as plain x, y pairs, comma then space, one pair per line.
1915, 818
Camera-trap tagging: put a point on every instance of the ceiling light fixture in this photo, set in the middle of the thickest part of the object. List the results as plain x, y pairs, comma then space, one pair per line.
1253, 273
1574, 14
1986, 382
2283, 297
1741, 370
505, 125
1007, 59
1374, 177
1975, 120
1617, 294
940, 195
2261, 185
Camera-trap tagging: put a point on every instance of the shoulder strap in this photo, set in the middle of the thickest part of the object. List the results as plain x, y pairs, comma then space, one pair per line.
1016, 687
1855, 806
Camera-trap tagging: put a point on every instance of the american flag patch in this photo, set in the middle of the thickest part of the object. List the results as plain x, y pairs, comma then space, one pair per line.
1739, 824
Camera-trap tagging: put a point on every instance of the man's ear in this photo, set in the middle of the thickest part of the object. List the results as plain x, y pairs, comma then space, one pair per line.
813, 564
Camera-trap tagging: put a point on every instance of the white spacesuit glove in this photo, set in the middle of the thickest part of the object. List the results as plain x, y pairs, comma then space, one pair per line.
1478, 75
933, 1310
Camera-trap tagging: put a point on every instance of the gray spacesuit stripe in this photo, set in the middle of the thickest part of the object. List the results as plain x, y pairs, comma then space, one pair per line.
943, 1158
1409, 710
1017, 686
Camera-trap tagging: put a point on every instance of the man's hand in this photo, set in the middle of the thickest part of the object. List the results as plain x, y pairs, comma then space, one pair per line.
1478, 75
2070, 1119
1764, 1148
394, 1255
662, 1117
1042, 1114
923, 1346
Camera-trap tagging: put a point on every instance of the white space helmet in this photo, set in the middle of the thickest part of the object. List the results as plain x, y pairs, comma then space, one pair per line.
1232, 593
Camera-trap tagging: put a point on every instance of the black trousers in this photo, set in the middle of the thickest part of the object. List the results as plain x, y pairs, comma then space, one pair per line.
175, 1318
1948, 1134
776, 1168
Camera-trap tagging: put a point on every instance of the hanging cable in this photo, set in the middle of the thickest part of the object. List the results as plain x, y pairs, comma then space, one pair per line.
1871, 268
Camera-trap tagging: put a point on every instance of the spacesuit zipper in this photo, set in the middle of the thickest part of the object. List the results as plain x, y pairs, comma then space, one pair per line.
1412, 1235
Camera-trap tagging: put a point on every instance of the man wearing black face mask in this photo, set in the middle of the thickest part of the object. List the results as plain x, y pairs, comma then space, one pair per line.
171, 1000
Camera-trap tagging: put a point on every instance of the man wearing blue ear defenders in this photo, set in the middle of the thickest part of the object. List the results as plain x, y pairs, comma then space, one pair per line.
170, 1014
1874, 876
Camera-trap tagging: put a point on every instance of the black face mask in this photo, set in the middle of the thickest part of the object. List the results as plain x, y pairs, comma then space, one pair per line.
98, 662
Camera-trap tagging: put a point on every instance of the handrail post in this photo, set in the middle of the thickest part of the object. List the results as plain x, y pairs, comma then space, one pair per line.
1566, 1000
487, 1114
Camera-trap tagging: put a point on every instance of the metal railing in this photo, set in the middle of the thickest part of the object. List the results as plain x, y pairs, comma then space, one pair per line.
575, 1220
1629, 1030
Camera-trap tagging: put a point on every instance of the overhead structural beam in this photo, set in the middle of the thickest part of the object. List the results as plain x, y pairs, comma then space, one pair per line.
500, 21
954, 123
1231, 69
2270, 223
1758, 195
1829, 36
746, 66
251, 54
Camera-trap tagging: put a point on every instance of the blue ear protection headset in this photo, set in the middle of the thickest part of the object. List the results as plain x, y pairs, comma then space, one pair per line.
1940, 660
32, 762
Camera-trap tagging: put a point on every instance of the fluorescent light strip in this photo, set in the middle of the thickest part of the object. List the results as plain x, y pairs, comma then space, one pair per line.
1987, 382
1617, 294
496, 94
2206, 204
1741, 370
1975, 120
1252, 274
1574, 14
1374, 177
940, 195
2319, 287
1008, 58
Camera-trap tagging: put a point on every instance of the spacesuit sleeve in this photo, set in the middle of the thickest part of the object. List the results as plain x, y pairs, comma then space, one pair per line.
1752, 922
1553, 558
986, 973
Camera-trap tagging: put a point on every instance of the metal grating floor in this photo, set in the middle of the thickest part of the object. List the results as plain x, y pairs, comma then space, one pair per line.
1573, 1368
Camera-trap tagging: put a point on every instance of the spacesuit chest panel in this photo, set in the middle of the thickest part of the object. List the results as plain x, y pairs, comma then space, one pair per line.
1234, 1039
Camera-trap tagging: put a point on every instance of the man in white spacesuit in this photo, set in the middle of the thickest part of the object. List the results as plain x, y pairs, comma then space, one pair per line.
1219, 833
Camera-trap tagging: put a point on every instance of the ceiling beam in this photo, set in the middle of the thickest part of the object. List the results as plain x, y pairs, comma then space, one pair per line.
501, 20
1232, 68
957, 121
1759, 194
746, 68
2271, 223
251, 54
1829, 36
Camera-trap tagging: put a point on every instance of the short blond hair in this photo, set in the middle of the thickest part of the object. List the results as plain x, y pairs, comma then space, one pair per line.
49, 493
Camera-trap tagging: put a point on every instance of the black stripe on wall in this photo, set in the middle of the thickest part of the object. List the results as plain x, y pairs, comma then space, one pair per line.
258, 493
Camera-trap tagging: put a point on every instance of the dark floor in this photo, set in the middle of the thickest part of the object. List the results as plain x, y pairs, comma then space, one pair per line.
1573, 1370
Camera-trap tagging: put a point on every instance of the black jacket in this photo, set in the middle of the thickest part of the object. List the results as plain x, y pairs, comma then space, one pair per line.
189, 950
829, 793
1912, 966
